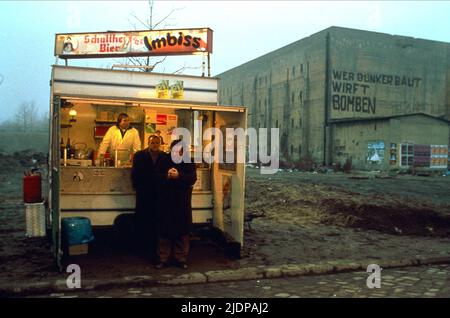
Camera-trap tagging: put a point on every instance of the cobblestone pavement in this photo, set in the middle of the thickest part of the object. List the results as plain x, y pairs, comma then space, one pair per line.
423, 281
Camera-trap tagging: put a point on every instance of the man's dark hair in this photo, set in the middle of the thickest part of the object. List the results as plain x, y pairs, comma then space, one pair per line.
121, 116
153, 136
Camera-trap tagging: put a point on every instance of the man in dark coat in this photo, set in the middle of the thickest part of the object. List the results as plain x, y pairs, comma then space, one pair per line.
175, 219
149, 177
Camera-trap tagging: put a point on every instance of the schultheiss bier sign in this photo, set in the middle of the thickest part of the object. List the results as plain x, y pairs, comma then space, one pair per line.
134, 43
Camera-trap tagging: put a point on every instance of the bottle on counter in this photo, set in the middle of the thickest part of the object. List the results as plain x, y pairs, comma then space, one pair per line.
95, 161
62, 146
106, 158
69, 148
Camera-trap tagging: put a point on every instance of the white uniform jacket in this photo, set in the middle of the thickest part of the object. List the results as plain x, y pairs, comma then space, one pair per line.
113, 139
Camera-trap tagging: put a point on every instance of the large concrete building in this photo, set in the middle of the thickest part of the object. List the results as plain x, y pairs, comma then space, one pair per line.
381, 100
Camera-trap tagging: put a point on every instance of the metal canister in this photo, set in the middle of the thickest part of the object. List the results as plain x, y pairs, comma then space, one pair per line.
32, 191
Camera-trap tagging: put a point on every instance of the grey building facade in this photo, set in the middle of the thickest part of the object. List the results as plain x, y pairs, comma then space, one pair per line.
315, 89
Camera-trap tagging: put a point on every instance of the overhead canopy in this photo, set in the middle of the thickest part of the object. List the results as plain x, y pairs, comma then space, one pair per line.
147, 103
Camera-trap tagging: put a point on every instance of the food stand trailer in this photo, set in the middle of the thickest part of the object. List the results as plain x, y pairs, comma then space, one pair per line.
84, 102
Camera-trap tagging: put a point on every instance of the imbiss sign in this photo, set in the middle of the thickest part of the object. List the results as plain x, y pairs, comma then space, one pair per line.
133, 43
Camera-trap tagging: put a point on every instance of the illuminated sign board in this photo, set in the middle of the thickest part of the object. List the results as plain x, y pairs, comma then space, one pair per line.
133, 43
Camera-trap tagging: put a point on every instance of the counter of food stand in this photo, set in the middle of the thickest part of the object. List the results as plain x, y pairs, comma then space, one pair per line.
88, 191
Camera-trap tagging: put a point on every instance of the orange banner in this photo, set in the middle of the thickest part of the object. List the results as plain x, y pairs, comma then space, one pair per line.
134, 43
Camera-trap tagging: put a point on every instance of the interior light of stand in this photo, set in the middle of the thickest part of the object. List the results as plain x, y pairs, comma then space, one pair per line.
73, 115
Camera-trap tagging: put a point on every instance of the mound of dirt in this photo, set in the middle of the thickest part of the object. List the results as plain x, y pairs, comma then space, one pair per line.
30, 157
307, 204
21, 160
387, 218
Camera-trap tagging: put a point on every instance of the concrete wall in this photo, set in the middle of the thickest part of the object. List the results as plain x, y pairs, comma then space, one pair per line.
351, 139
389, 75
419, 129
384, 75
280, 89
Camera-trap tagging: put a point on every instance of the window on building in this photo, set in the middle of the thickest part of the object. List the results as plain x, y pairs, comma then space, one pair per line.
293, 97
265, 103
276, 125
300, 122
292, 149
299, 150
301, 97
406, 155
293, 71
259, 105
292, 123
301, 68
375, 127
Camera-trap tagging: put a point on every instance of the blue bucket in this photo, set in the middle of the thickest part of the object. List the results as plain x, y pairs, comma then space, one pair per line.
77, 230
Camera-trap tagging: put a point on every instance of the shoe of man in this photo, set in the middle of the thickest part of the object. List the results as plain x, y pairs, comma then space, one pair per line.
160, 265
182, 265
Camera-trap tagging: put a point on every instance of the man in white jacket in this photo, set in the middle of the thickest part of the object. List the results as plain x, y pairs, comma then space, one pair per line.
120, 137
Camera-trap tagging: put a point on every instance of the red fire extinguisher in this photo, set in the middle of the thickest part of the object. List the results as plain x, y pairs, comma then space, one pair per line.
32, 190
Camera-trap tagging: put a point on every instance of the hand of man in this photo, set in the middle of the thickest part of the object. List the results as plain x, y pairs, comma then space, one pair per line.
173, 173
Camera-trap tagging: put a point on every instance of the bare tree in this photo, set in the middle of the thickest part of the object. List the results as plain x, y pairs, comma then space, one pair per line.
26, 116
43, 123
149, 23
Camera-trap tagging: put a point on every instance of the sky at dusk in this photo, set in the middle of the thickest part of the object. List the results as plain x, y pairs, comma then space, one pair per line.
243, 30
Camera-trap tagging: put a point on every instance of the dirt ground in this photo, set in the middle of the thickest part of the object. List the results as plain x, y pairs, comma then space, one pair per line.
296, 217
311, 217
401, 205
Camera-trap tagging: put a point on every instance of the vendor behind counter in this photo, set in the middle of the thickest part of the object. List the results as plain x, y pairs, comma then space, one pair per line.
121, 137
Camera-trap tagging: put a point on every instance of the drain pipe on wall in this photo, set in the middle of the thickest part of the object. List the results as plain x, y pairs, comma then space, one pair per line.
326, 137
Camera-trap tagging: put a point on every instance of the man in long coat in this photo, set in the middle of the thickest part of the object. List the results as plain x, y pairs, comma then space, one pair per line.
175, 218
149, 177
